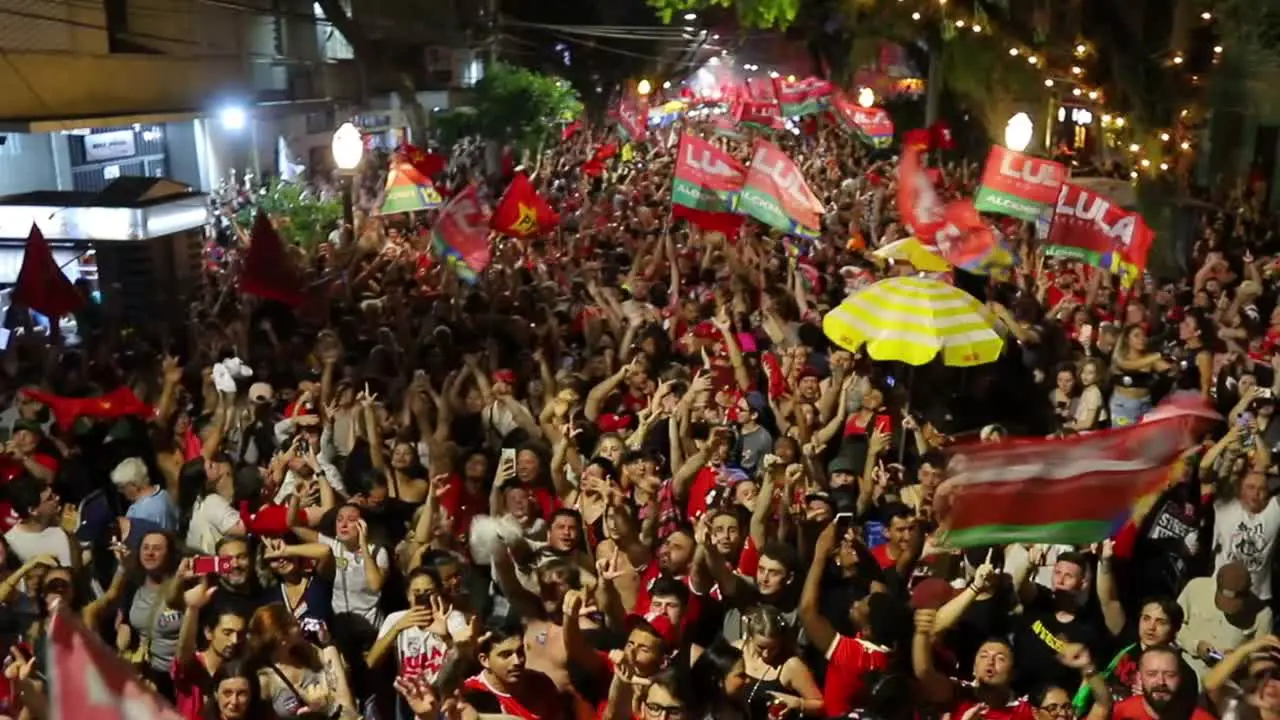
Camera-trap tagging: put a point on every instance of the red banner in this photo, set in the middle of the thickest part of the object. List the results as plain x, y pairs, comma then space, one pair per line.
1088, 221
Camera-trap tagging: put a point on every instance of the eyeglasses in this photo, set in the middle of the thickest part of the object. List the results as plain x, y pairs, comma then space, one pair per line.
671, 712
1058, 708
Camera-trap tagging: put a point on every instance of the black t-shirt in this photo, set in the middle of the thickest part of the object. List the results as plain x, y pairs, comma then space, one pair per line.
1039, 635
984, 619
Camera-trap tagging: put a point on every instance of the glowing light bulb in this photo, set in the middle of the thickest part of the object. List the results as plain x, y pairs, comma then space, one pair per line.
1145, 163
1081, 49
1013, 52
1164, 137
977, 28
1076, 70
959, 23
1048, 82
1177, 59
1119, 122
1033, 59
1076, 91
1133, 147
1133, 174
1185, 145
1164, 166
1206, 15
1217, 49
915, 16
1093, 94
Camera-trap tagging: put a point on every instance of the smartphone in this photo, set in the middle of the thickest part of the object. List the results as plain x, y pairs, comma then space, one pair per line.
203, 565
508, 457
1244, 420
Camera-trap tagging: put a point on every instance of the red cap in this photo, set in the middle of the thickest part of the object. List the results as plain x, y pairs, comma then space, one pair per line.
613, 422
660, 625
504, 376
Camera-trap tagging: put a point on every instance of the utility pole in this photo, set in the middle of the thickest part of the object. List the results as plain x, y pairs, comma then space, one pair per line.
495, 32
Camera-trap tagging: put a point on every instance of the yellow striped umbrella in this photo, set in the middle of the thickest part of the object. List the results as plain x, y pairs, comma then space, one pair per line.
911, 320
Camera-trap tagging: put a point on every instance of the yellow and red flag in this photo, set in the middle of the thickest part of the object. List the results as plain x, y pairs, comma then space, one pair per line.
522, 212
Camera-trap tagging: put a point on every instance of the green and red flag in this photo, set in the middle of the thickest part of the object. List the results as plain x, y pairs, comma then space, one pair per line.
1071, 491
408, 190
776, 194
802, 97
872, 125
522, 212
1092, 228
1019, 185
707, 181
461, 235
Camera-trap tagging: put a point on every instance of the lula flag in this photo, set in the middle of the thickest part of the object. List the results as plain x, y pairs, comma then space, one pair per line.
707, 182
802, 97
461, 235
1019, 185
1093, 228
872, 125
776, 194
707, 178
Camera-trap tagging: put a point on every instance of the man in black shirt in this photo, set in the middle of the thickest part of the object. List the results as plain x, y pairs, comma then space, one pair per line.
1053, 617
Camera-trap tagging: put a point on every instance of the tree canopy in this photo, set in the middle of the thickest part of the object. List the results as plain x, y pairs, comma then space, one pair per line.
513, 105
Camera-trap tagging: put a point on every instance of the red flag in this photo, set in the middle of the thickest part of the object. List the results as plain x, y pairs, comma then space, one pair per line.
956, 228
940, 136
919, 139
118, 403
1092, 225
92, 681
41, 285
428, 163
461, 234
570, 129
727, 223
522, 212
268, 272
595, 166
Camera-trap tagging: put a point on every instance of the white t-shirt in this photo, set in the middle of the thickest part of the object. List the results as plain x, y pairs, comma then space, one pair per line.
50, 541
419, 651
351, 593
1241, 535
211, 518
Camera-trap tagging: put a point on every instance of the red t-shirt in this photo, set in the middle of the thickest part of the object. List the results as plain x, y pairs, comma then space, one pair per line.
191, 681
1019, 709
881, 554
537, 698
704, 482
1135, 708
462, 505
848, 662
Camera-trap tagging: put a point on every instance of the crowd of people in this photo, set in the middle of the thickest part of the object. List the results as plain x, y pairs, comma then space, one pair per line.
625, 475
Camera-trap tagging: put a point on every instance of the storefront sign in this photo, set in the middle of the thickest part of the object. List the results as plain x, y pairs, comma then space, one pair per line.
114, 145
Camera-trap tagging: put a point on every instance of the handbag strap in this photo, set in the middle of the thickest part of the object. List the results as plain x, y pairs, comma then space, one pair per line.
289, 684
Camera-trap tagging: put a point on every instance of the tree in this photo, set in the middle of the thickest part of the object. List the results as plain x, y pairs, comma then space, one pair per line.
762, 14
300, 216
514, 105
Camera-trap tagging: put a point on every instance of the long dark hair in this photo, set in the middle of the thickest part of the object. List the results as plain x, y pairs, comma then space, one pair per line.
708, 675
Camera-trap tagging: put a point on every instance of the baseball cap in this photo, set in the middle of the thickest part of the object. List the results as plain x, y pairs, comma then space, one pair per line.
660, 626
1235, 588
261, 392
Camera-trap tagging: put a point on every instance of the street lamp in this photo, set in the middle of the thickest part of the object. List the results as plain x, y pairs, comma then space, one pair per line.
644, 88
691, 16
866, 97
348, 149
1018, 132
